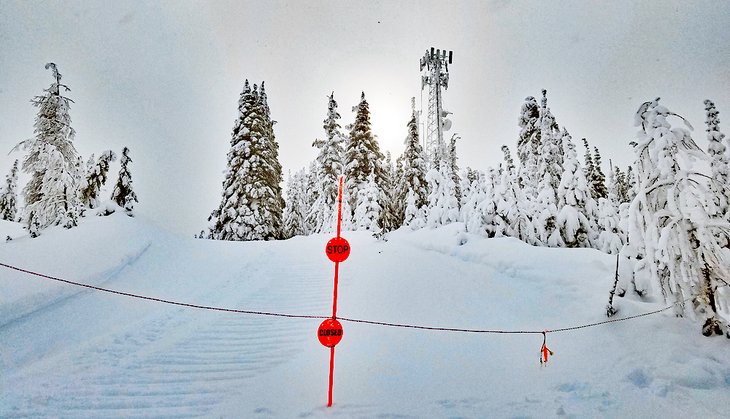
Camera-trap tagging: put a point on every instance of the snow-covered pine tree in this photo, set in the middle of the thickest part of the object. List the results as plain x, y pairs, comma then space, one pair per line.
512, 202
589, 168
528, 146
719, 202
599, 179
468, 179
550, 170
368, 209
573, 195
618, 187
414, 177
670, 231
443, 206
453, 168
610, 236
9, 195
251, 206
294, 213
52, 194
390, 200
96, 178
476, 191
362, 156
310, 196
329, 163
631, 184
123, 194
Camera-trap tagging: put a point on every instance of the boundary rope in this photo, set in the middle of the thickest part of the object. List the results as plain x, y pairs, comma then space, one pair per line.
345, 319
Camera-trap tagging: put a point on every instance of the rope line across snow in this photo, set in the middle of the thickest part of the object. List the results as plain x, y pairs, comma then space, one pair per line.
345, 319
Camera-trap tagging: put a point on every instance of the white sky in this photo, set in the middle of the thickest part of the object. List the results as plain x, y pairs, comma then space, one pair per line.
164, 77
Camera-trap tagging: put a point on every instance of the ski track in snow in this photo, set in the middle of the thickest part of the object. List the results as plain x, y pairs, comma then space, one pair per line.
176, 362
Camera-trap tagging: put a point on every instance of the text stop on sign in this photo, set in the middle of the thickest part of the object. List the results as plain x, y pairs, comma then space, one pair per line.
330, 333
337, 249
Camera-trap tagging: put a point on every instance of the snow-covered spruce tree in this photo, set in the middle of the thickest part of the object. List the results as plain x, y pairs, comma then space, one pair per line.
468, 181
390, 200
453, 168
599, 179
310, 196
329, 169
96, 178
719, 205
368, 208
528, 143
479, 209
511, 204
414, 177
589, 168
294, 213
123, 194
52, 194
9, 195
618, 187
443, 206
362, 156
550, 170
573, 194
251, 206
670, 230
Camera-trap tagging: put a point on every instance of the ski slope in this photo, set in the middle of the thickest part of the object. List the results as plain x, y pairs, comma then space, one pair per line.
72, 352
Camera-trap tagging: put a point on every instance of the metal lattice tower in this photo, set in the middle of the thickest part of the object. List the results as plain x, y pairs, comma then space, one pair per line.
435, 69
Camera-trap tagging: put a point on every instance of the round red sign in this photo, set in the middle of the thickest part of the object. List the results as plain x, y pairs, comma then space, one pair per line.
329, 333
337, 249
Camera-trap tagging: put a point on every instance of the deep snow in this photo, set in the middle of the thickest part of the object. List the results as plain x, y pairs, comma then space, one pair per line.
72, 352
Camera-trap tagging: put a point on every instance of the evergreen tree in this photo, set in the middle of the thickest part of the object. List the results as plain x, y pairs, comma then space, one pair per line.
631, 184
573, 196
362, 156
9, 195
390, 200
294, 213
480, 209
329, 168
550, 171
528, 146
598, 180
414, 177
669, 229
453, 169
52, 194
96, 178
719, 203
368, 209
512, 204
123, 194
443, 206
251, 206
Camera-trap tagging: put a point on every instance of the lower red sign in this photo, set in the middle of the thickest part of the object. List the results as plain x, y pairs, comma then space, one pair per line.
330, 333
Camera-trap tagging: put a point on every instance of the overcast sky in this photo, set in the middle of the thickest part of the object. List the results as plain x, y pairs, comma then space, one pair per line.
164, 77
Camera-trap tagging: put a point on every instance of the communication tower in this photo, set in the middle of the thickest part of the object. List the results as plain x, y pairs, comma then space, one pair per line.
435, 75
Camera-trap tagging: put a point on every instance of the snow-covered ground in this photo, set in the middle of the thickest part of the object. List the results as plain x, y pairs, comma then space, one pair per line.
72, 352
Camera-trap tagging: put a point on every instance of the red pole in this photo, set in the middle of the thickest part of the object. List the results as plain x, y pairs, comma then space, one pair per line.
334, 297
332, 376
339, 208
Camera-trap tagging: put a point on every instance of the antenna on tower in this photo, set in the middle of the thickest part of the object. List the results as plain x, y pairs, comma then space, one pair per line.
435, 68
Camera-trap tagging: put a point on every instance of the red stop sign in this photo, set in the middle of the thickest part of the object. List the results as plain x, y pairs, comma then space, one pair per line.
337, 249
329, 333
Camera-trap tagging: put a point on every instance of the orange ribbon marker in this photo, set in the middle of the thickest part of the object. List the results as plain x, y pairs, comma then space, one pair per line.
544, 351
